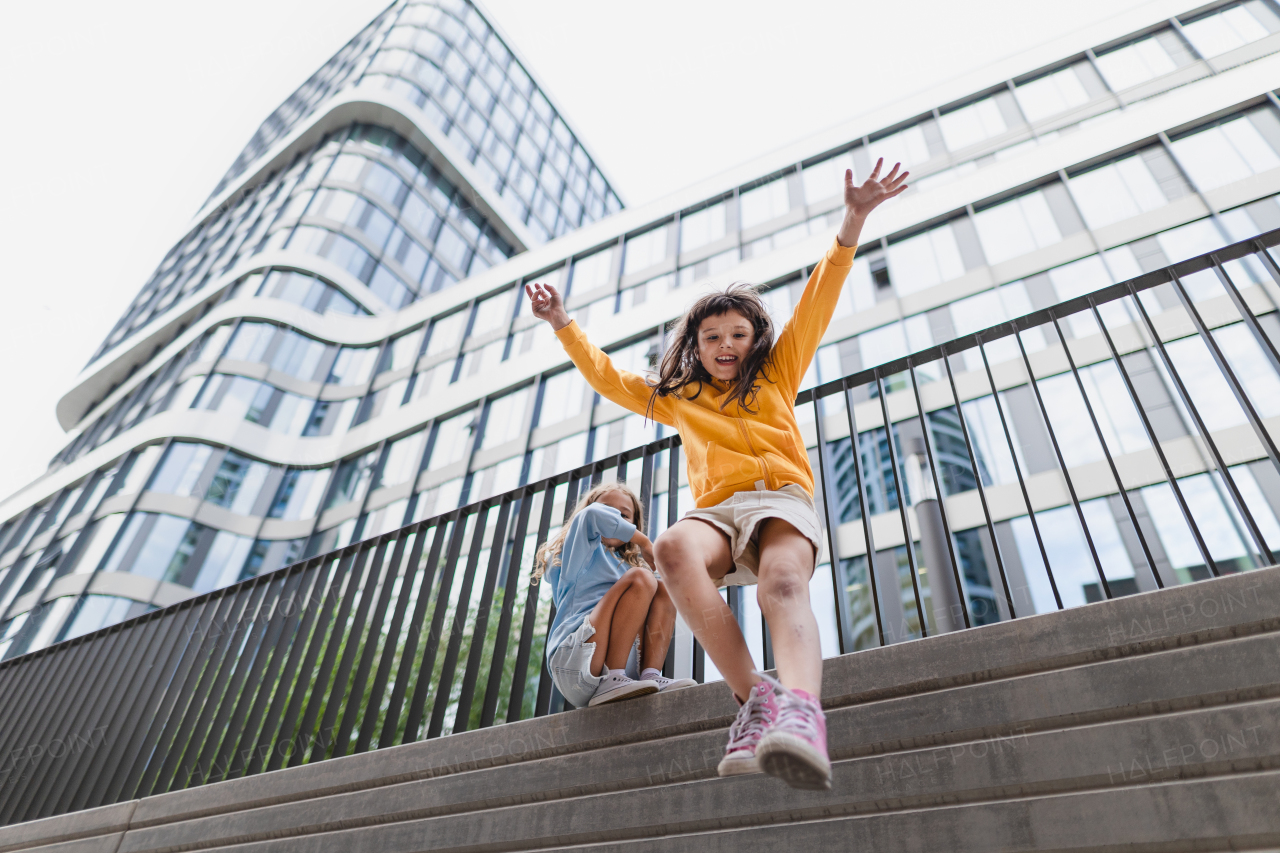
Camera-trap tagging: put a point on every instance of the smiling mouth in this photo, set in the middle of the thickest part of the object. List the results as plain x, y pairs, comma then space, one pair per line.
726, 360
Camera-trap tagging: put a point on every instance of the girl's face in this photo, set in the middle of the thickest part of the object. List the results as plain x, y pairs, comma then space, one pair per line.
619, 501
724, 341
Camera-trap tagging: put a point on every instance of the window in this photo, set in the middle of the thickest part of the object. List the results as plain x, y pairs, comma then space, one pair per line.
505, 421
297, 355
703, 227
1116, 191
825, 179
924, 260
446, 332
895, 340
907, 147
353, 365
492, 313
453, 437
300, 493
183, 463
402, 352
403, 458
1052, 94
1016, 227
221, 566
765, 202
971, 124
1227, 29
646, 250
1135, 63
983, 310
562, 397
1231, 151
352, 479
237, 483
100, 611
250, 342
592, 271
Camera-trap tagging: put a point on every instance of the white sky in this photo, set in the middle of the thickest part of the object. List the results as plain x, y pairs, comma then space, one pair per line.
119, 118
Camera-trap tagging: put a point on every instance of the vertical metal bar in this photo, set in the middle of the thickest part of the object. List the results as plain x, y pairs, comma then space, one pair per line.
1115, 472
93, 656
481, 625
302, 682
982, 492
1022, 482
833, 545
1062, 464
865, 512
418, 704
388, 573
1237, 388
1237, 299
497, 666
133, 718
49, 671
286, 643
234, 699
449, 665
524, 649
213, 700
549, 699
335, 637
942, 496
255, 689
353, 634
902, 501
389, 648
120, 672
1155, 443
145, 762
391, 725
1185, 397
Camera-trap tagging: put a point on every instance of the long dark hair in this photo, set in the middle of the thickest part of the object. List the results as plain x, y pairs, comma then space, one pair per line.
681, 365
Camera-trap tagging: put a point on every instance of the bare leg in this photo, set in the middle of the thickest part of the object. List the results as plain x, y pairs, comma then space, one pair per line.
619, 616
786, 565
691, 555
658, 629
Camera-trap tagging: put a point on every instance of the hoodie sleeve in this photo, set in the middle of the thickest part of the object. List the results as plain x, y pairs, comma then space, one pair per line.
801, 335
626, 389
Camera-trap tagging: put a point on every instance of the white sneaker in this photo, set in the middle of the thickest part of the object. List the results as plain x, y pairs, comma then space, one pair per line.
615, 685
665, 684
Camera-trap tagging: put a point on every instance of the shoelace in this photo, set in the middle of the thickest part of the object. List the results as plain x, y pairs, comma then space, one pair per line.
753, 723
793, 711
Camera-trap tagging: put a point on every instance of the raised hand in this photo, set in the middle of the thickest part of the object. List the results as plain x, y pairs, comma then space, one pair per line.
859, 201
547, 305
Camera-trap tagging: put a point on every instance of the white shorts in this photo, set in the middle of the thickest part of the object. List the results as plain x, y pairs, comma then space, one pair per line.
740, 517
570, 665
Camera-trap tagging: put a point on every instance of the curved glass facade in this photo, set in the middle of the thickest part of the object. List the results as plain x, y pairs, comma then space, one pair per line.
301, 408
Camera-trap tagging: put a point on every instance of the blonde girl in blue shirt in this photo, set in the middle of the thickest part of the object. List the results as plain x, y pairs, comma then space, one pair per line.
607, 600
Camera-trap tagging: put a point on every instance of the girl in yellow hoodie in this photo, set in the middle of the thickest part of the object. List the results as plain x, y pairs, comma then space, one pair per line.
729, 389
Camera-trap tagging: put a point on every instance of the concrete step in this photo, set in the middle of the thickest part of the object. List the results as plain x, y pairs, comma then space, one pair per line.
1020, 714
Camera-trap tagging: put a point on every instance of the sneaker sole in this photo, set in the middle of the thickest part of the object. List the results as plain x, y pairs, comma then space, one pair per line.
794, 761
738, 766
679, 685
629, 692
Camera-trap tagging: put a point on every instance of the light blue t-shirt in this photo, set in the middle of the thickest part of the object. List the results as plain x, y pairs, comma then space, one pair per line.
587, 569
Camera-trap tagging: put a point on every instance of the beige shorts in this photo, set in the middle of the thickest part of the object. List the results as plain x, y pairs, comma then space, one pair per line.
740, 517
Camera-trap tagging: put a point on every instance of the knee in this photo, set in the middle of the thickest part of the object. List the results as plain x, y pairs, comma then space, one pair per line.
672, 552
784, 585
641, 579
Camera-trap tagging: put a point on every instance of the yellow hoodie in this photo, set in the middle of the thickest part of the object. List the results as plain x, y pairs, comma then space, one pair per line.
731, 450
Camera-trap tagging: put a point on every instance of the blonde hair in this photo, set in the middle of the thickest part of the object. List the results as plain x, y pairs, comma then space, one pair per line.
549, 554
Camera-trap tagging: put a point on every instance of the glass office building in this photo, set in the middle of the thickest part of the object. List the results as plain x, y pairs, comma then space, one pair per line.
338, 346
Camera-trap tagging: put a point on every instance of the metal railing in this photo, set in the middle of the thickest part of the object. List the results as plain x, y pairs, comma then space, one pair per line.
434, 628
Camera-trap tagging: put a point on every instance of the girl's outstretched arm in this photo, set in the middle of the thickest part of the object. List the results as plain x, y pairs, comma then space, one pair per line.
626, 389
802, 333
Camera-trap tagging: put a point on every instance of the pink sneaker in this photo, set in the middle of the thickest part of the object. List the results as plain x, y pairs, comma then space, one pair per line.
755, 717
795, 748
